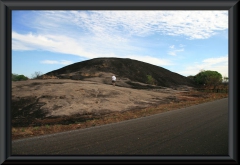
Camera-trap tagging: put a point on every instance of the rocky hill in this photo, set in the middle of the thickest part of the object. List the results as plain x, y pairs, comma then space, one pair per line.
130, 73
83, 90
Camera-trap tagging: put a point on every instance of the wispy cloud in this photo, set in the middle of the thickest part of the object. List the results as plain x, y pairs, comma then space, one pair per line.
192, 24
173, 51
151, 60
214, 61
117, 27
219, 64
171, 47
62, 62
52, 43
63, 44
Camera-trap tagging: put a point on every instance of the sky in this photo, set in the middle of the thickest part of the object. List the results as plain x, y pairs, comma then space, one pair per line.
182, 41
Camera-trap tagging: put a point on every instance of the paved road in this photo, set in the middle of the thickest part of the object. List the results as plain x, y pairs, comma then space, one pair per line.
196, 130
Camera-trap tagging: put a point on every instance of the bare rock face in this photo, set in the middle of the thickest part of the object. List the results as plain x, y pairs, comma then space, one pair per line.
39, 99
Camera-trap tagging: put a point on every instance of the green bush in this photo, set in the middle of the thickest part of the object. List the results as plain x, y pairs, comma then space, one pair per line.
16, 77
208, 78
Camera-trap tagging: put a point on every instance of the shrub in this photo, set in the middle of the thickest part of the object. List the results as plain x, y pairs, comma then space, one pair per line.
150, 80
208, 78
16, 77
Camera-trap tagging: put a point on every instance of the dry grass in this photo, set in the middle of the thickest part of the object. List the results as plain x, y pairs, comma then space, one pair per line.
181, 100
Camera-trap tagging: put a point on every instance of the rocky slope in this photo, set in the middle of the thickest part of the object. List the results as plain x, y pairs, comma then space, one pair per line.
35, 100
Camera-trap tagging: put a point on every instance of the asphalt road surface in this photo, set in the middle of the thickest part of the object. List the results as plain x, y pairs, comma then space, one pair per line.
196, 130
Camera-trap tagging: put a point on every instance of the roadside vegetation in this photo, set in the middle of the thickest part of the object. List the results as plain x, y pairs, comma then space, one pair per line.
208, 78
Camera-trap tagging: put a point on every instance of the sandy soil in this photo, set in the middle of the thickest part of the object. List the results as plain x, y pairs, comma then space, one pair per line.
63, 97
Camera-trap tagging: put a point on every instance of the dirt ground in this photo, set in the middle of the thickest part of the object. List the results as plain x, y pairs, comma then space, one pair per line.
35, 100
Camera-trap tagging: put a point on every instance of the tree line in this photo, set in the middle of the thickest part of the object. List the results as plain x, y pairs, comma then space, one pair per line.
16, 77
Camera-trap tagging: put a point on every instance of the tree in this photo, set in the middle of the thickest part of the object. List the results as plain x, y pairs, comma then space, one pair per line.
16, 77
208, 78
36, 75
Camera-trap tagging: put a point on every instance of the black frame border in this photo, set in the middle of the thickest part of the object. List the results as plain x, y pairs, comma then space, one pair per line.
6, 6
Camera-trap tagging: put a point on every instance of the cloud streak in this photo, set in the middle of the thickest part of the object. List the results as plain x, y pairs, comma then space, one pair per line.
63, 44
62, 62
52, 43
151, 60
219, 64
108, 31
192, 24
173, 51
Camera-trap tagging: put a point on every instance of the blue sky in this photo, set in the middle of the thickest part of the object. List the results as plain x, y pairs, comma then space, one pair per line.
181, 41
